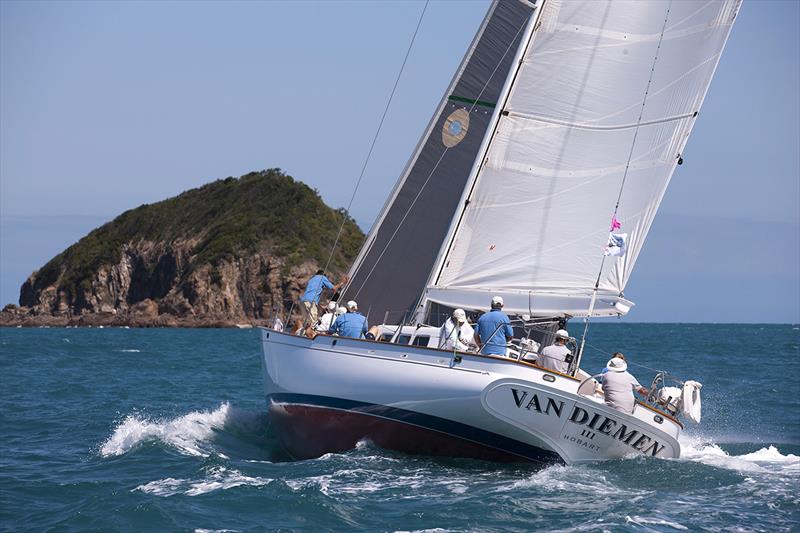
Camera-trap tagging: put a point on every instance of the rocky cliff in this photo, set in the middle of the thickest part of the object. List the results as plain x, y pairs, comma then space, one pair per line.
234, 251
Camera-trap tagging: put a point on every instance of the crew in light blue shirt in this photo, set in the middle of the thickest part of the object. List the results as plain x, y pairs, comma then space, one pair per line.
494, 330
311, 296
351, 324
315, 286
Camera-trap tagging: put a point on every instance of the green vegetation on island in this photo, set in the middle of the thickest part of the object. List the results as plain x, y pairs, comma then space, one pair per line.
227, 218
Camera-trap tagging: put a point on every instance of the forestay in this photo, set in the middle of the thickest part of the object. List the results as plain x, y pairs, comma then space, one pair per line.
598, 116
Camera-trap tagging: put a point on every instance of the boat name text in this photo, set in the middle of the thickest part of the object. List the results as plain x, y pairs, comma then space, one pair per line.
596, 422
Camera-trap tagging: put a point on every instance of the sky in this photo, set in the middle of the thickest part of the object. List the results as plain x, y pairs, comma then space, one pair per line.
108, 105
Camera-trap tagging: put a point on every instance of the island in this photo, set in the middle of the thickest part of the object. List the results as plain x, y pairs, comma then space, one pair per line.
236, 251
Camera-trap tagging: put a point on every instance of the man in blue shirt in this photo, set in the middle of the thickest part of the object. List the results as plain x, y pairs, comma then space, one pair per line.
493, 330
351, 324
311, 296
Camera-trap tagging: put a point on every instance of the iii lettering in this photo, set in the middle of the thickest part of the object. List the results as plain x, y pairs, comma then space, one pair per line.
587, 433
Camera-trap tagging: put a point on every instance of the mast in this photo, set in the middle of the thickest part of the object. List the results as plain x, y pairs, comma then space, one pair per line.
394, 264
365, 248
475, 171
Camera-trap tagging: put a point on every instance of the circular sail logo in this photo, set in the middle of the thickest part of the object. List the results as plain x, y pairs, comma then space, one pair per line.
455, 127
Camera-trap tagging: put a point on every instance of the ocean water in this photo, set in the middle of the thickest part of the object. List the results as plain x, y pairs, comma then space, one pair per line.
165, 430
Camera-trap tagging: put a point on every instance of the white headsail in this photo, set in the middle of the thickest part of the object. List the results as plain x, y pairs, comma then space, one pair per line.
593, 127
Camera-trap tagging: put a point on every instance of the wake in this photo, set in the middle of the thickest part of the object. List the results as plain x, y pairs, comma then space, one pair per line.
246, 434
218, 478
765, 460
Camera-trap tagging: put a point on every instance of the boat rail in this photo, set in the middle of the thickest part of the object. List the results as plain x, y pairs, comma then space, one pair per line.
457, 356
588, 388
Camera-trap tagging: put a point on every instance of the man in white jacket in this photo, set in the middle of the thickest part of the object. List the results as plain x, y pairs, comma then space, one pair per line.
619, 386
456, 333
326, 320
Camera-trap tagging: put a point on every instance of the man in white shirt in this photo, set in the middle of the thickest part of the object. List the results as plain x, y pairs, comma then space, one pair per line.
456, 333
326, 320
556, 356
619, 385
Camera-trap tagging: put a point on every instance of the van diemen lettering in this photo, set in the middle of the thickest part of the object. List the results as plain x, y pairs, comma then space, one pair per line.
582, 417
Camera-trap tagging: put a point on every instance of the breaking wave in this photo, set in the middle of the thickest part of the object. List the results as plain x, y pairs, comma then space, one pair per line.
198, 433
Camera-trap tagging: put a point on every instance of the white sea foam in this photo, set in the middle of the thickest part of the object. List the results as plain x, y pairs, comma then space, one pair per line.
645, 521
218, 478
569, 480
432, 530
768, 459
132, 350
186, 433
359, 481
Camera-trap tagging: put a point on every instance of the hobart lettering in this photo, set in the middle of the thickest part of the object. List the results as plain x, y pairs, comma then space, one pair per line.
596, 422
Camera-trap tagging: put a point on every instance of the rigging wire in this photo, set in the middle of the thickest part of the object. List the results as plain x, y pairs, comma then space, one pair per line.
630, 363
377, 133
433, 170
602, 351
627, 167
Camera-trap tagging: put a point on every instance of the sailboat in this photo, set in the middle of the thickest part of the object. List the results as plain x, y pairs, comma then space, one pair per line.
536, 180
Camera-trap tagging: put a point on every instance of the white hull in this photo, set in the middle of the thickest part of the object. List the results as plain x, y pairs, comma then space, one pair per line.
327, 394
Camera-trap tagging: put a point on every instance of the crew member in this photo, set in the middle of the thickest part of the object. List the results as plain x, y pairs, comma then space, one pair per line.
494, 329
619, 385
456, 333
351, 324
311, 296
557, 355
327, 319
614, 355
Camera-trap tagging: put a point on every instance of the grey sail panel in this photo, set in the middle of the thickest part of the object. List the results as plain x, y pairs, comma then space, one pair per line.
393, 268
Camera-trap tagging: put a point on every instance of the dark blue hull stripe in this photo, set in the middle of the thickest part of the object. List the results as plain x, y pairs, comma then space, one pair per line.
435, 423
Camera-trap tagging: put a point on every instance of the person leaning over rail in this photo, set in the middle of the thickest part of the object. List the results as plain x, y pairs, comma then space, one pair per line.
556, 356
494, 329
456, 333
313, 292
351, 324
619, 385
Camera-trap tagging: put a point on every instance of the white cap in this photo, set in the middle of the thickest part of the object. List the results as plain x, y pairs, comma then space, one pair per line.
497, 301
352, 305
341, 310
615, 364
459, 316
562, 334
331, 306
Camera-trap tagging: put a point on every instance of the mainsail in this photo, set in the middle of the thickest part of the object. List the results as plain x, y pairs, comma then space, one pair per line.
594, 126
391, 271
